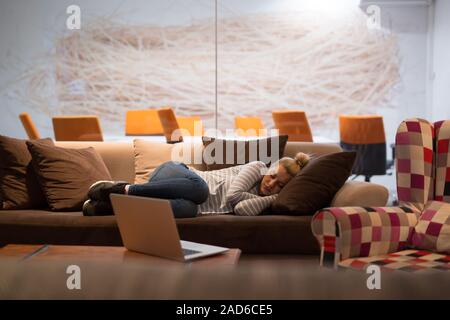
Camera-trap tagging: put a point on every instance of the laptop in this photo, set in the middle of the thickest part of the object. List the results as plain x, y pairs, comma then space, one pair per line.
147, 225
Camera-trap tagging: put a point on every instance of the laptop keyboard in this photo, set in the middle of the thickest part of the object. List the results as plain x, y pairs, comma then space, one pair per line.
187, 252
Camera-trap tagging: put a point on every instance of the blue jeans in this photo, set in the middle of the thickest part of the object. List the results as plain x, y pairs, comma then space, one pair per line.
174, 181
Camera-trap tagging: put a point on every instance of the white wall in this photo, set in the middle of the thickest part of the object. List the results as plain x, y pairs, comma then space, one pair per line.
408, 19
441, 61
27, 27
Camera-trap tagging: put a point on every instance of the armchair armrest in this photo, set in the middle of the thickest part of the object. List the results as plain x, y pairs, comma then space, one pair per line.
361, 194
362, 231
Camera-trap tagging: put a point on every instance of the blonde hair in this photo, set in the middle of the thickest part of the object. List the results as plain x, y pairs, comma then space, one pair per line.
293, 166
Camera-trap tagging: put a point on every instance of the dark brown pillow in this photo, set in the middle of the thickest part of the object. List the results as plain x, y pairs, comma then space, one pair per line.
65, 175
19, 187
315, 185
244, 151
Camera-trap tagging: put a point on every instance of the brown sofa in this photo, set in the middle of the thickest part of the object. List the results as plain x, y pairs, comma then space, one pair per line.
268, 234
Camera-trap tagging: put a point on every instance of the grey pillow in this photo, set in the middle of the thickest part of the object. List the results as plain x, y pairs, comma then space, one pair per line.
242, 151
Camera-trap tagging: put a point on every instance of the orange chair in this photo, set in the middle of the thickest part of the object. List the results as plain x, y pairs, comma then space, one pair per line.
249, 126
365, 135
293, 123
143, 122
29, 126
170, 124
77, 128
190, 123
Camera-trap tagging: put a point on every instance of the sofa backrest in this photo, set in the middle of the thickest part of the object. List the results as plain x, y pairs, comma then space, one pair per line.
119, 156
442, 161
414, 162
422, 162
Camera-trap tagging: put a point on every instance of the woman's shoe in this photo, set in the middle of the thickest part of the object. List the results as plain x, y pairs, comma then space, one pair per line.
102, 189
97, 208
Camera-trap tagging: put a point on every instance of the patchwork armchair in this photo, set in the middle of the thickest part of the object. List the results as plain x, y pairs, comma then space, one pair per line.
412, 236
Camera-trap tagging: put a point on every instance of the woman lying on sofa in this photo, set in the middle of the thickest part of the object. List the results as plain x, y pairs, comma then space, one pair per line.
245, 190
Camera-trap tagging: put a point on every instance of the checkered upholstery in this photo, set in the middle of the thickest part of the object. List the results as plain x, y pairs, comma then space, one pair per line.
442, 161
432, 232
407, 260
361, 232
423, 176
414, 162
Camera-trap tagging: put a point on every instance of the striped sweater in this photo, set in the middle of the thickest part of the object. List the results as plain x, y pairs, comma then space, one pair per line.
235, 189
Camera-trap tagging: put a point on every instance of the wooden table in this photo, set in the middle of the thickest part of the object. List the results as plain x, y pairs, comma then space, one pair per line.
75, 254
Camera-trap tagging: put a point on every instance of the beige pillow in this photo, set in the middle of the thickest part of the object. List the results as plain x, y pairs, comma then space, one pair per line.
148, 155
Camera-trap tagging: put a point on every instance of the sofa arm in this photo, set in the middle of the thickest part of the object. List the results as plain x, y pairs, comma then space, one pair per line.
362, 232
361, 194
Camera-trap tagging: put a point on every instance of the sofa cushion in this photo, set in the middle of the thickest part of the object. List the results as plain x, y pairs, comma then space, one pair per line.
432, 232
19, 187
314, 187
149, 154
65, 175
405, 260
221, 153
48, 227
261, 235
